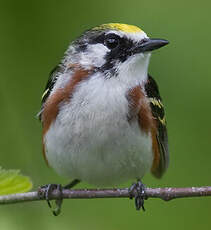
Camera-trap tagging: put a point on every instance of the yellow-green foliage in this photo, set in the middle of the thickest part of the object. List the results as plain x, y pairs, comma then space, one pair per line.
11, 181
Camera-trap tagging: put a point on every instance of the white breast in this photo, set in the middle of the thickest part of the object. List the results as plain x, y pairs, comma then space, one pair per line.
91, 139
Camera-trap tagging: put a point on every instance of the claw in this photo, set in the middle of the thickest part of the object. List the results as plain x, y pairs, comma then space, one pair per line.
139, 190
45, 193
131, 189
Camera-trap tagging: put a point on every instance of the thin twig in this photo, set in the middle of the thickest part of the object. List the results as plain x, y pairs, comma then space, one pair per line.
162, 193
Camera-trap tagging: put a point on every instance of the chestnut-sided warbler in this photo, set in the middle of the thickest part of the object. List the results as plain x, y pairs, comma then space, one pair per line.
102, 115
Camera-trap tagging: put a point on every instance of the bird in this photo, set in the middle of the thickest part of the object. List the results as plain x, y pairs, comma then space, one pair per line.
102, 115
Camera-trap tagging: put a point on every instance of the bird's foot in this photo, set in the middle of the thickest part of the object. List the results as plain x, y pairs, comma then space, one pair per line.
139, 190
45, 192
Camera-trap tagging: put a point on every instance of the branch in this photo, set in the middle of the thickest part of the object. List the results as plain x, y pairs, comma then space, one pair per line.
165, 194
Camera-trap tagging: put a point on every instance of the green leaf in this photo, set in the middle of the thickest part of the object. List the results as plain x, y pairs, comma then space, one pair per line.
11, 181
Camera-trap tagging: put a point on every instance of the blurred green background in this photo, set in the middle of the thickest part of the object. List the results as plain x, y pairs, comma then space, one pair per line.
33, 38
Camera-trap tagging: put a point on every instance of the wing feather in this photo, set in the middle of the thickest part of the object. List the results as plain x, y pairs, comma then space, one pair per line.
158, 113
49, 86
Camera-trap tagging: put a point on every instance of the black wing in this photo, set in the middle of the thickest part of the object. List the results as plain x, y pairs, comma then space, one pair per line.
157, 108
49, 86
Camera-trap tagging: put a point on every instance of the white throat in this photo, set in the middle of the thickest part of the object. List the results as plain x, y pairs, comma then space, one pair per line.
134, 71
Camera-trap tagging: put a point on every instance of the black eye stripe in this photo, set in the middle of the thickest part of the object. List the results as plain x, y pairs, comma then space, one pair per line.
112, 36
102, 37
99, 39
112, 41
116, 53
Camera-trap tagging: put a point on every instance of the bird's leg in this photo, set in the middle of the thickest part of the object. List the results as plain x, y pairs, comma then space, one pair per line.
139, 190
46, 191
72, 184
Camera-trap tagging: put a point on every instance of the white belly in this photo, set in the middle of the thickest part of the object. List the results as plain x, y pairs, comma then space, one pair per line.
91, 140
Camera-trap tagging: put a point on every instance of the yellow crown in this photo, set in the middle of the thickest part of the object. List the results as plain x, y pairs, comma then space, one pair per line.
121, 27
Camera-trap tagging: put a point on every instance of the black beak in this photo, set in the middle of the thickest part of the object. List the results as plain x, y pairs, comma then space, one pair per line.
150, 44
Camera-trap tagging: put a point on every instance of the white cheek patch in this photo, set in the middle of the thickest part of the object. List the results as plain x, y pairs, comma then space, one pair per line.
94, 55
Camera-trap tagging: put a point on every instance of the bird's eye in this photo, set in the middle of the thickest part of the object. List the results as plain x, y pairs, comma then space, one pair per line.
111, 41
